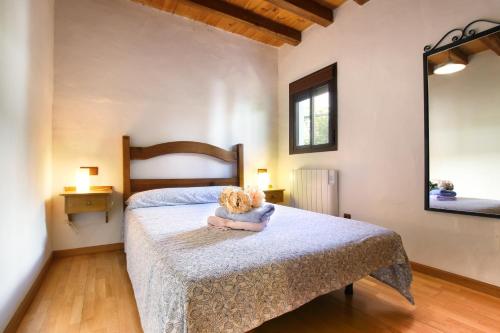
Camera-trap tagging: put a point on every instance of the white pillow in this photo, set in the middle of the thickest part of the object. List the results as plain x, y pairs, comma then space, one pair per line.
175, 196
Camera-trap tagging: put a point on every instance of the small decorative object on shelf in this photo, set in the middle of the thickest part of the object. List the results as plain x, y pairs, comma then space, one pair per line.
274, 196
95, 199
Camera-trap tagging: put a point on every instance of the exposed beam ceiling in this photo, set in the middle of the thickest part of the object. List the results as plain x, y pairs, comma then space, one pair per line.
465, 53
492, 42
287, 34
330, 3
458, 56
327, 3
307, 9
273, 22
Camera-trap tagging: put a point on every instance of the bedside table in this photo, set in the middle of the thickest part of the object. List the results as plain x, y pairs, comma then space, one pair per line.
274, 196
97, 199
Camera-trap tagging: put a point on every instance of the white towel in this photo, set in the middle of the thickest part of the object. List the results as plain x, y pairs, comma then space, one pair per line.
225, 224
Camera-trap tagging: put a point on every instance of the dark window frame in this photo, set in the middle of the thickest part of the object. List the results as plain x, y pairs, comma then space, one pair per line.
305, 87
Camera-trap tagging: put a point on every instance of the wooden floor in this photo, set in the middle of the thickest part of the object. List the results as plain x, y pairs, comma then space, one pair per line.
92, 293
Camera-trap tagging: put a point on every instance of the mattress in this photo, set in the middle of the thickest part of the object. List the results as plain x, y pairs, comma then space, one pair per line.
190, 278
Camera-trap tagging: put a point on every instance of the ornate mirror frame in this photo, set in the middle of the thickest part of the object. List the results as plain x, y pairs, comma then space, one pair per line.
455, 37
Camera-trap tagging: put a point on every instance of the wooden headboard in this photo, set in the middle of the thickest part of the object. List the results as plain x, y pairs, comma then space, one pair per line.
131, 186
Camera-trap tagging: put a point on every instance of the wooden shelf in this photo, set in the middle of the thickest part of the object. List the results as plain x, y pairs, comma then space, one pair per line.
274, 195
97, 199
71, 190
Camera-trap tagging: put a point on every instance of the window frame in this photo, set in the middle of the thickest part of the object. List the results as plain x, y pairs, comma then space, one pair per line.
306, 87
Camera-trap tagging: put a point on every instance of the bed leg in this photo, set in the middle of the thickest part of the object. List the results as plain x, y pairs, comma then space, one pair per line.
349, 290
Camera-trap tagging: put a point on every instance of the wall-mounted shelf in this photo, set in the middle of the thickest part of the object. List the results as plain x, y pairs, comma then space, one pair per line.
97, 199
274, 196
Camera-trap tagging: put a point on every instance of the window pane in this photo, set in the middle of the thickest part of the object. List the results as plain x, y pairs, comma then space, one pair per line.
303, 122
321, 111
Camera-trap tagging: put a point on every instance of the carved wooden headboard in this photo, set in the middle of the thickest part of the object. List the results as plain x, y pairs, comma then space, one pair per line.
131, 186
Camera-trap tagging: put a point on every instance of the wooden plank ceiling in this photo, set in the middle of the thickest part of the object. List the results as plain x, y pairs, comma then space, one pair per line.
462, 54
273, 22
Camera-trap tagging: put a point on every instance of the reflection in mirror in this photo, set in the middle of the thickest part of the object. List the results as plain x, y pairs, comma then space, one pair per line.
464, 127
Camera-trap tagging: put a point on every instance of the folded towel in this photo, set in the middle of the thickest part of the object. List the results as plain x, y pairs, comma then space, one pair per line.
256, 215
225, 224
443, 198
444, 193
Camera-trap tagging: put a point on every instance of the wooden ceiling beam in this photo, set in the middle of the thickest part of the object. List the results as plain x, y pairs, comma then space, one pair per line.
280, 31
327, 4
458, 56
430, 68
492, 42
310, 10
361, 2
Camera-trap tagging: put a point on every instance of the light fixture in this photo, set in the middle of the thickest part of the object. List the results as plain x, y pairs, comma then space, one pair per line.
263, 179
83, 177
82, 180
456, 62
449, 68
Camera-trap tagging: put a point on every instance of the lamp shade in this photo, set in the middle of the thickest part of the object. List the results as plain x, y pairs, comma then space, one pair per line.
263, 179
82, 180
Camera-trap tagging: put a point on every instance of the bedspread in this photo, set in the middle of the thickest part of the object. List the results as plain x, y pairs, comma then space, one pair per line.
190, 278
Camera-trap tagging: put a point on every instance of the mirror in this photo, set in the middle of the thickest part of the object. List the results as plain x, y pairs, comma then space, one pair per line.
462, 125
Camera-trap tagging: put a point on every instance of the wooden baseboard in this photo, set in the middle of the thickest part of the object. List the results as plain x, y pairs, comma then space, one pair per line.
88, 250
464, 281
23, 307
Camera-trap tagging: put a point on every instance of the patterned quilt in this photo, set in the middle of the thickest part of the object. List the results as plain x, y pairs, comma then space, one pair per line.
190, 278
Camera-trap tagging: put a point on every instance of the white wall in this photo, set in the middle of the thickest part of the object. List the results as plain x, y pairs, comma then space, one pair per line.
26, 51
464, 126
122, 68
378, 48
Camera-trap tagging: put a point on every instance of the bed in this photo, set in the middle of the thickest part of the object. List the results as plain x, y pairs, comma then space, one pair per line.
486, 206
190, 278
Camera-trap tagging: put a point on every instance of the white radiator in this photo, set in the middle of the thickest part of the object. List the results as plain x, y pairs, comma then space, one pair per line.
315, 190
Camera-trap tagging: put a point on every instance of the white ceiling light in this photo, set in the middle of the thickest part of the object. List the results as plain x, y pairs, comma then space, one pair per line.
448, 68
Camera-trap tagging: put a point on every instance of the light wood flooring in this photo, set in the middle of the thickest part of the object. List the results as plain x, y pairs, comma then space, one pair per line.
92, 293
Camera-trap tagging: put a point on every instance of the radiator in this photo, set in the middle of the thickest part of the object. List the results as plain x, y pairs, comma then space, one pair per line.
315, 190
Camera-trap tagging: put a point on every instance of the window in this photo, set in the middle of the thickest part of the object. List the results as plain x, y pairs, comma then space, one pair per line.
313, 112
